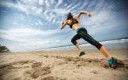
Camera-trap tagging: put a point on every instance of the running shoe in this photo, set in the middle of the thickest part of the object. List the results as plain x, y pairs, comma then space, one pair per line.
81, 53
112, 62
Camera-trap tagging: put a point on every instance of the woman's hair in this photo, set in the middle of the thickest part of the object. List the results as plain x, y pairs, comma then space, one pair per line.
69, 16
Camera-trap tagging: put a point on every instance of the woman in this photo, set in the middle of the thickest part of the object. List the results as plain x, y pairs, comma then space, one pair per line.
82, 33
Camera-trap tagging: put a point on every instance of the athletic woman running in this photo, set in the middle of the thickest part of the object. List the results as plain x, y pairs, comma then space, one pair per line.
82, 33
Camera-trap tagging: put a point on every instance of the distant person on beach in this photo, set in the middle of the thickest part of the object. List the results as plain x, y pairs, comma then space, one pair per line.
82, 33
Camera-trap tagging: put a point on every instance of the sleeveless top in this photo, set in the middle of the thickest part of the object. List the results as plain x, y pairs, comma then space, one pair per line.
73, 22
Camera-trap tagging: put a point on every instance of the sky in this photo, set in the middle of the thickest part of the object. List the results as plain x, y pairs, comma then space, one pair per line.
35, 24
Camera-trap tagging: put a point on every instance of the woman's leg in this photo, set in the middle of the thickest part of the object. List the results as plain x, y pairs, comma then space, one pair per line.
111, 60
73, 40
105, 53
92, 41
78, 47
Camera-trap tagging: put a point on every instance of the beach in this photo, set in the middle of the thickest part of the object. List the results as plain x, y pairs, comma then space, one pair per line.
62, 65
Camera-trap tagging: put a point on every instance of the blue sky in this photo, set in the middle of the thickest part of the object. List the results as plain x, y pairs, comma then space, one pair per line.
35, 24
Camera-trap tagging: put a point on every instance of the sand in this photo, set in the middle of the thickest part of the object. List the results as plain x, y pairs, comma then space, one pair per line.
62, 65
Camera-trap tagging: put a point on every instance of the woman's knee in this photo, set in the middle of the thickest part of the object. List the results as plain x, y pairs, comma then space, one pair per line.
73, 41
97, 45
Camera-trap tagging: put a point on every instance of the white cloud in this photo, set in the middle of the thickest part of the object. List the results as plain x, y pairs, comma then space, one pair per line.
41, 2
18, 6
43, 8
24, 34
31, 39
54, 12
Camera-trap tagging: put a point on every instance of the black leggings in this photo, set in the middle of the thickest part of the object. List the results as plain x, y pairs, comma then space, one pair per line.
82, 33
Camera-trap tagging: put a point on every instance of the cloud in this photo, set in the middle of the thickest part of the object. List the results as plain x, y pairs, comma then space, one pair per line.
17, 6
30, 39
29, 18
24, 34
44, 8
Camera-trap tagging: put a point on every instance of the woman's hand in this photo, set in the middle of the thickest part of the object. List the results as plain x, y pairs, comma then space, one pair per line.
89, 14
63, 24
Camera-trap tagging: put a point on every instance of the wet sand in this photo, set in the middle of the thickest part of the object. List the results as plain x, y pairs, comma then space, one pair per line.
62, 65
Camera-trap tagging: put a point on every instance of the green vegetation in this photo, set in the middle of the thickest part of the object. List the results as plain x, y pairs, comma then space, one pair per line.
3, 49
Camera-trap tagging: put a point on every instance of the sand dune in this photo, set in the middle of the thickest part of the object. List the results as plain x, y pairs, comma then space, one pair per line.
62, 65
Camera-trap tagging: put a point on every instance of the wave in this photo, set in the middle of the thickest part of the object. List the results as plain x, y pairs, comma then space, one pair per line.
121, 43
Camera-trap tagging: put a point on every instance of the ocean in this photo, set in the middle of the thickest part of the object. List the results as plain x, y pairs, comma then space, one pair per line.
111, 44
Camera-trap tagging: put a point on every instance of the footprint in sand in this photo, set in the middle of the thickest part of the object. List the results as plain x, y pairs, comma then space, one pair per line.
37, 70
9, 67
94, 72
52, 78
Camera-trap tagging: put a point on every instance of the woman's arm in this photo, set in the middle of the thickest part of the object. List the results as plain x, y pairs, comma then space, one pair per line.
63, 24
83, 12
